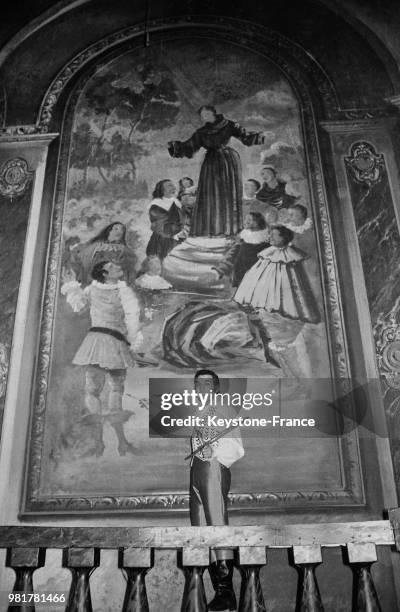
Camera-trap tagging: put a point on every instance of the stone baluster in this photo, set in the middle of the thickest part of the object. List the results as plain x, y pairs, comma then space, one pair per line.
193, 562
135, 563
82, 562
251, 560
24, 561
361, 557
307, 558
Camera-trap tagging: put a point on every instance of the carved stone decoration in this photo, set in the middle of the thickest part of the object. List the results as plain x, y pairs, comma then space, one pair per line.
391, 355
364, 163
19, 130
369, 113
387, 338
3, 369
14, 177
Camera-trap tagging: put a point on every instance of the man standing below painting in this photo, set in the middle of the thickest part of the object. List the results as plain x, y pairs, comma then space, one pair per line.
210, 481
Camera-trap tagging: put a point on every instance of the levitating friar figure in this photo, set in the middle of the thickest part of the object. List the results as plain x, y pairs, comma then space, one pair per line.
218, 207
210, 481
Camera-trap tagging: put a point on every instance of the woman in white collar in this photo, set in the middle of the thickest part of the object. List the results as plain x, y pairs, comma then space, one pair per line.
166, 220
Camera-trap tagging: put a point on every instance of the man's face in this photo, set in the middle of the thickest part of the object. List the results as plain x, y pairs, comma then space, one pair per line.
113, 271
267, 175
169, 189
204, 384
186, 183
250, 223
250, 189
276, 239
296, 217
207, 116
116, 233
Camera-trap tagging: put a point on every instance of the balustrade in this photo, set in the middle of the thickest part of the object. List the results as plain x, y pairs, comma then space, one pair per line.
26, 548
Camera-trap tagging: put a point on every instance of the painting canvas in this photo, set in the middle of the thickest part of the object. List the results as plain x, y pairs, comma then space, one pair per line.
207, 229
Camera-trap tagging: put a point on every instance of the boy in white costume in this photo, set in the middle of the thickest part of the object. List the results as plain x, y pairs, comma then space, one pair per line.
106, 348
210, 480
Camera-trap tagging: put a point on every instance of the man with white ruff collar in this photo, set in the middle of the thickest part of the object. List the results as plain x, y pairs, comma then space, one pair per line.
106, 349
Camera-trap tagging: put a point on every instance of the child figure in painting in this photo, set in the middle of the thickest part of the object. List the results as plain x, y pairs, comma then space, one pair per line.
298, 219
278, 281
273, 190
186, 190
106, 349
187, 197
243, 253
300, 223
252, 204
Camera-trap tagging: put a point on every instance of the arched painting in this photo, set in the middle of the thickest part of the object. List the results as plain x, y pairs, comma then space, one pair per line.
185, 179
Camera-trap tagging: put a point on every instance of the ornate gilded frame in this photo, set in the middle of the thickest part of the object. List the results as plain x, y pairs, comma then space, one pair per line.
316, 95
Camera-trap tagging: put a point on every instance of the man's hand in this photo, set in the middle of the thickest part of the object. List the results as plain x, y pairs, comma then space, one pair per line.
207, 452
67, 275
268, 138
182, 235
217, 273
170, 147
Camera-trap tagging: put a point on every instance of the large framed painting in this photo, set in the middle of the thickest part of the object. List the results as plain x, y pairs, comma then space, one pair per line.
190, 231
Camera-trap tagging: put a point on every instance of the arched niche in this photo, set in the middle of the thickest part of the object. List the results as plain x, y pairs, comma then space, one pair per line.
339, 42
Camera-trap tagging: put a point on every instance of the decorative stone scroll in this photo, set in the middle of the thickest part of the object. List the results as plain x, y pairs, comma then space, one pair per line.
16, 131
364, 163
14, 177
387, 339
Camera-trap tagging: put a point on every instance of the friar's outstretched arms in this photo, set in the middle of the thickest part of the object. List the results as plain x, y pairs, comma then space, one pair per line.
247, 138
186, 148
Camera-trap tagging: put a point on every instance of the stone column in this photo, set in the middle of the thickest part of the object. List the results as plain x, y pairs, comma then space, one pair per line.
23, 157
365, 216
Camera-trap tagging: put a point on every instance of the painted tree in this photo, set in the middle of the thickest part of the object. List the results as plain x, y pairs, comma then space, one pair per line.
120, 108
83, 145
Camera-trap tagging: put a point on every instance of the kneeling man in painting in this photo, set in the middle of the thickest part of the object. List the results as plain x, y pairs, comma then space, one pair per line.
212, 455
